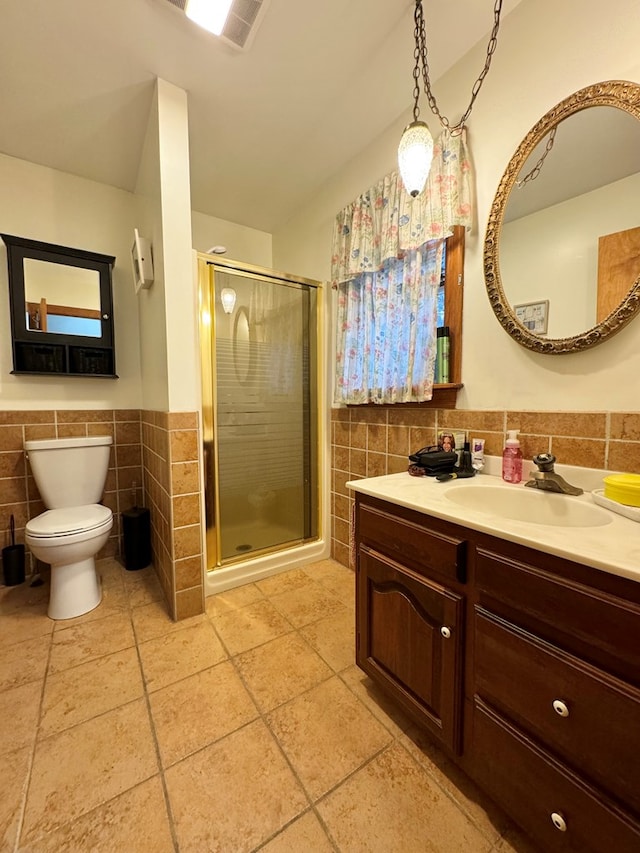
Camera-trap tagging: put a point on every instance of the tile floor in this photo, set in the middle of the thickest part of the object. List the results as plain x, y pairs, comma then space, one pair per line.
247, 728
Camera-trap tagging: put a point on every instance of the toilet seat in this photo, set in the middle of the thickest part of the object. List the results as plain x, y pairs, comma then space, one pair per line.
70, 521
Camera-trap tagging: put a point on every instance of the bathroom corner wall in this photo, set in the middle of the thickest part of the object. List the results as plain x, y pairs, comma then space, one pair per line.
170, 450
369, 442
18, 493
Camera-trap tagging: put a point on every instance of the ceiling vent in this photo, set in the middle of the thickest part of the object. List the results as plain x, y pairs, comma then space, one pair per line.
242, 21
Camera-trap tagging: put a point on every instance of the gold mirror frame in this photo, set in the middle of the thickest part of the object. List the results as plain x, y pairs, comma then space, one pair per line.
612, 93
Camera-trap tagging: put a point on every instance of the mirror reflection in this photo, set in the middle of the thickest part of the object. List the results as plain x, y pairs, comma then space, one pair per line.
562, 247
571, 234
61, 298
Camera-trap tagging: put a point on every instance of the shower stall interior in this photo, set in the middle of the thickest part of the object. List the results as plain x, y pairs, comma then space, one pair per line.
259, 342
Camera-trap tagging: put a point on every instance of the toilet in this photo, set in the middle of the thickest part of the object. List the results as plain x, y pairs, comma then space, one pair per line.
70, 474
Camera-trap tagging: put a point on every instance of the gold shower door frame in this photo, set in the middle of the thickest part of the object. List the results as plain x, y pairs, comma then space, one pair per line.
207, 265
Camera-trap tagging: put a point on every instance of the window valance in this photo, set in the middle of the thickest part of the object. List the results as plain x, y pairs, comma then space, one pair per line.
384, 222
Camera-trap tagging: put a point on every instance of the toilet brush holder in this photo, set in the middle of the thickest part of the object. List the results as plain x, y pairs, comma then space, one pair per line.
13, 559
136, 533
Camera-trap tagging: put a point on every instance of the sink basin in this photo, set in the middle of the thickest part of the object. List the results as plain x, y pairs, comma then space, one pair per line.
534, 507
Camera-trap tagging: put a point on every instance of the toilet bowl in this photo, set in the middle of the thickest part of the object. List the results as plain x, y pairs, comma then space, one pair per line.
68, 539
70, 475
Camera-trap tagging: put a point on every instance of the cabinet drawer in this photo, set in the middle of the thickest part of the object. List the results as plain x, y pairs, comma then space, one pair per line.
597, 727
412, 544
533, 787
590, 623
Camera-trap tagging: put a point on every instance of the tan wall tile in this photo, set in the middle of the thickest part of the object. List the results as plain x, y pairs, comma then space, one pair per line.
70, 416
342, 433
358, 436
39, 431
341, 530
340, 415
625, 426
624, 456
339, 481
376, 464
358, 462
13, 490
377, 438
100, 428
188, 573
189, 602
419, 438
588, 453
186, 510
127, 433
341, 458
493, 441
128, 455
184, 478
398, 440
72, 430
126, 414
24, 417
342, 507
454, 419
184, 445
397, 464
182, 420
412, 417
530, 445
340, 552
368, 415
574, 424
11, 438
12, 464
187, 542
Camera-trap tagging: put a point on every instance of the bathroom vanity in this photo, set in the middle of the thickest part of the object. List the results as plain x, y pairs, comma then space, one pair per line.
516, 645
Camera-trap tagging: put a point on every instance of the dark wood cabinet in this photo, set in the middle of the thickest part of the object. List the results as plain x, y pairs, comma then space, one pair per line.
524, 666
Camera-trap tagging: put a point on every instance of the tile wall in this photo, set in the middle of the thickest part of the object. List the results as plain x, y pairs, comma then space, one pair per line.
170, 443
369, 442
154, 452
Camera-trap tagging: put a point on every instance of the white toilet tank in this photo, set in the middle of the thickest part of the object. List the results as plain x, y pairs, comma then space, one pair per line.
70, 471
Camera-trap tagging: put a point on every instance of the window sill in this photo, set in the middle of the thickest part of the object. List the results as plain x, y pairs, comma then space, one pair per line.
444, 397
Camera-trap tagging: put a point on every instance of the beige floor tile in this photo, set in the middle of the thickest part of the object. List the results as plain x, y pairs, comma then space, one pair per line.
135, 822
376, 700
153, 620
114, 600
392, 804
143, 587
307, 604
25, 624
14, 769
19, 715
233, 599
515, 841
89, 689
334, 638
335, 577
280, 670
208, 706
82, 768
490, 820
234, 794
90, 640
327, 734
179, 654
304, 834
111, 572
23, 595
24, 662
283, 582
250, 626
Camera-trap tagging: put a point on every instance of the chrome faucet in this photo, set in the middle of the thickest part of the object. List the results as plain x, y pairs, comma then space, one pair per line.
546, 478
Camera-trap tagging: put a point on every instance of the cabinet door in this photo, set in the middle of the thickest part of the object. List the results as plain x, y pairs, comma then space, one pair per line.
409, 640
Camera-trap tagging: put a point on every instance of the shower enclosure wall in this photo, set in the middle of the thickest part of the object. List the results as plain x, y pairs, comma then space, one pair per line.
259, 333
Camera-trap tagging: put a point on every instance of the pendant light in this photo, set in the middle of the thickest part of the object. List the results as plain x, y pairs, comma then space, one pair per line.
415, 151
228, 299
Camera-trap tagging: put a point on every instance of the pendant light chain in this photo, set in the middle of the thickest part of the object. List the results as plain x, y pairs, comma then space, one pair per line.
420, 54
533, 174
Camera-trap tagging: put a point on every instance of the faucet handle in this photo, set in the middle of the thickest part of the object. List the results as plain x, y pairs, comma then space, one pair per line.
544, 461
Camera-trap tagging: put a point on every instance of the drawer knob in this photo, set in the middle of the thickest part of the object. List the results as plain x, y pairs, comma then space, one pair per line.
560, 708
446, 632
558, 821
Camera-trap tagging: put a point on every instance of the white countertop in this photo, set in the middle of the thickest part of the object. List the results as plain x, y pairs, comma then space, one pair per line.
613, 547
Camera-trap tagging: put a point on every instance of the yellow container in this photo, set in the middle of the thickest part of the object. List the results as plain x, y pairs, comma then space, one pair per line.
623, 488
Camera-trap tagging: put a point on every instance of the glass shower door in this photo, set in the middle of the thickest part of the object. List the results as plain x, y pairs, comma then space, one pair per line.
265, 414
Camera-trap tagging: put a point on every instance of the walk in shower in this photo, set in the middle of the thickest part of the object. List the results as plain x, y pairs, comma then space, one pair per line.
259, 333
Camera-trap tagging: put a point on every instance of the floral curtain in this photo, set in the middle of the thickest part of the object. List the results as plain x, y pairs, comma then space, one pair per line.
386, 263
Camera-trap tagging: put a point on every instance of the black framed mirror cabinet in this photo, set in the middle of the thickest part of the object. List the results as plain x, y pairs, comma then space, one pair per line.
61, 309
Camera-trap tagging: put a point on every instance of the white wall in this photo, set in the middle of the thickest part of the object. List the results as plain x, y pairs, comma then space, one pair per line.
546, 50
244, 244
54, 207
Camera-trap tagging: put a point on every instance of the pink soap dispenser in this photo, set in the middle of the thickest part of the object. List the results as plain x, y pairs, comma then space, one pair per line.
512, 458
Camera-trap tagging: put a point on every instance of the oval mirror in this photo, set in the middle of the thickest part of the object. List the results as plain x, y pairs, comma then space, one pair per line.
562, 247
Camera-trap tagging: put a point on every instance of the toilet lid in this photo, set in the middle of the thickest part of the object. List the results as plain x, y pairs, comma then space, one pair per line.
72, 519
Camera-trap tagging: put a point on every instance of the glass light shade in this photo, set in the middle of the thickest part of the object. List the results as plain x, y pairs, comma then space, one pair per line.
415, 154
228, 299
211, 15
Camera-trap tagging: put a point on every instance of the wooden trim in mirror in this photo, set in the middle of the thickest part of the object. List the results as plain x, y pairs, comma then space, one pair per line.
613, 93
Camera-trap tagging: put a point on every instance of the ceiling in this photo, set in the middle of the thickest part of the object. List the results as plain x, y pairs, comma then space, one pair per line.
267, 126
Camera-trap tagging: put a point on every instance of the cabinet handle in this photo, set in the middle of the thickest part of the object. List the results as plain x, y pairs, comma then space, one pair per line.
446, 632
560, 708
558, 821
